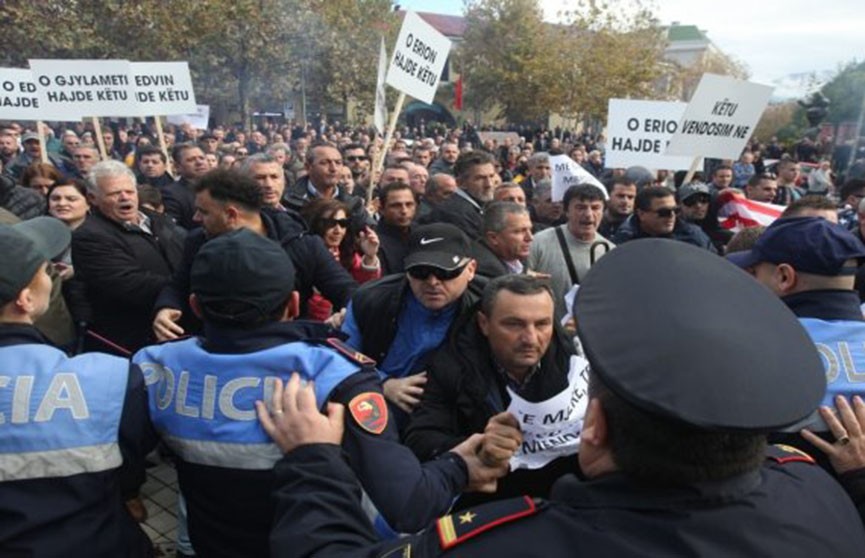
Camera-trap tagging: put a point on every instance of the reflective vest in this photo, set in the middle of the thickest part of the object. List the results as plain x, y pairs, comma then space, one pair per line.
59, 416
841, 345
203, 404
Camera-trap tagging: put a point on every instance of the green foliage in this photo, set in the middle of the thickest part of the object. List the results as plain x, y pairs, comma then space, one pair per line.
528, 68
845, 91
241, 53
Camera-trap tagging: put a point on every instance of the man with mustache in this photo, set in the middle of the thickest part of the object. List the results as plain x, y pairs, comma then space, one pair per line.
511, 347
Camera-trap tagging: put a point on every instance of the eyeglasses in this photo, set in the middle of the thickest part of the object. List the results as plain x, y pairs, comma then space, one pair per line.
353, 158
664, 212
423, 272
694, 200
331, 223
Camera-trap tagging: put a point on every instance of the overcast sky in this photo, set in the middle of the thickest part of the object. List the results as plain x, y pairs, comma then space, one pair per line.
773, 39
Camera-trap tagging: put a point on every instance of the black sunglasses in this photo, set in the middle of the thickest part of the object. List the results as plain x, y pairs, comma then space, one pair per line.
422, 272
330, 223
664, 212
694, 200
353, 158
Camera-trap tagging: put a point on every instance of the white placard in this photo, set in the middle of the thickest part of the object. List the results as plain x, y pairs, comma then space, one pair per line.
18, 98
198, 119
162, 88
638, 133
720, 118
71, 89
567, 173
418, 59
552, 428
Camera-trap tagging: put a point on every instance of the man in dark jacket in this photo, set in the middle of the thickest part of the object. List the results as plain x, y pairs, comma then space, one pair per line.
400, 319
75, 430
179, 196
476, 180
398, 206
227, 200
506, 241
124, 257
655, 217
511, 346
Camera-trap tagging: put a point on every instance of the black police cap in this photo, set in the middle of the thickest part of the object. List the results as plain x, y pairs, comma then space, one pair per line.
681, 333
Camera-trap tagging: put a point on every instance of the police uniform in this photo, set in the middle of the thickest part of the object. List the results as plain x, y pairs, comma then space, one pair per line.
202, 395
697, 373
73, 432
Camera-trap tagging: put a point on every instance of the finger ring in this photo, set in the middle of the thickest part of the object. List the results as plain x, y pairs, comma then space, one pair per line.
279, 412
843, 440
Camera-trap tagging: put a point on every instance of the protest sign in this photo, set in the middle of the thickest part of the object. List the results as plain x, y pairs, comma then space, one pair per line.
418, 59
18, 99
197, 119
162, 88
567, 173
70, 89
639, 132
551, 428
720, 118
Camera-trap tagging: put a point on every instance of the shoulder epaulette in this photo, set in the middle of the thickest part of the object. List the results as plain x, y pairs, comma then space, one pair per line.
350, 353
459, 527
782, 453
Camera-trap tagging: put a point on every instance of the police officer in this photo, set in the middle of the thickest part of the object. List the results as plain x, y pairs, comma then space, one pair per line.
673, 442
73, 431
810, 263
203, 393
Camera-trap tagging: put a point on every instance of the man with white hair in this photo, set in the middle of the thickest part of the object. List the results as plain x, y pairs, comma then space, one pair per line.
124, 256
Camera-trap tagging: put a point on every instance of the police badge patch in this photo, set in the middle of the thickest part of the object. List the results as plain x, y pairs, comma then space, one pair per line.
369, 411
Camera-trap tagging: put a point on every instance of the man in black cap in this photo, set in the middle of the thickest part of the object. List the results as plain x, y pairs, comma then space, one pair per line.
204, 388
73, 431
695, 207
400, 319
673, 442
810, 263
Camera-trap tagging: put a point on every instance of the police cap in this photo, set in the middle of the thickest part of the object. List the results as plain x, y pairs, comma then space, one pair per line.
245, 268
25, 247
695, 339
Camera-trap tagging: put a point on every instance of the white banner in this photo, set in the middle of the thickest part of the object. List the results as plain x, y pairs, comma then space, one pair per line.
380, 116
552, 428
720, 118
567, 173
638, 133
162, 88
71, 89
419, 57
18, 98
198, 119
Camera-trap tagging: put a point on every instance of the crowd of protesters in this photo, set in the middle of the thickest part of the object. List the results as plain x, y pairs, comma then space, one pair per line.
160, 297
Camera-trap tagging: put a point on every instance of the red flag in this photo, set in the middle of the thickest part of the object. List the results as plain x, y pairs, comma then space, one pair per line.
736, 212
458, 94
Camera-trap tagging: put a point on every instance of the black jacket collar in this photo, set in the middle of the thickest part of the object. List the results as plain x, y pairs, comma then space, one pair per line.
227, 340
21, 334
828, 304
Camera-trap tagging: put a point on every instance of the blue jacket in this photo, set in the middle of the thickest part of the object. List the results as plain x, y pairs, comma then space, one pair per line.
73, 436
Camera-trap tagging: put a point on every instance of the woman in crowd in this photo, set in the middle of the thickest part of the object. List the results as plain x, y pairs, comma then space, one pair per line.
357, 253
40, 177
